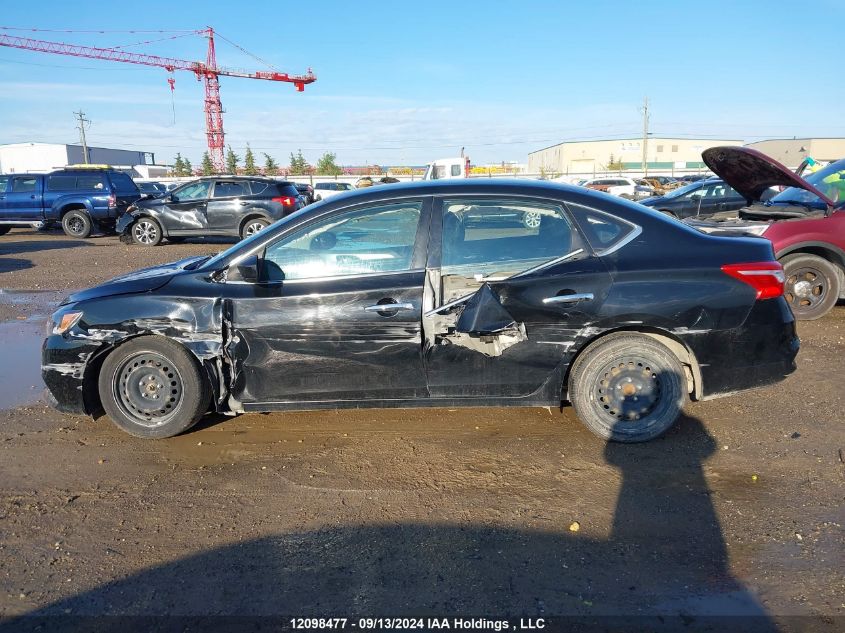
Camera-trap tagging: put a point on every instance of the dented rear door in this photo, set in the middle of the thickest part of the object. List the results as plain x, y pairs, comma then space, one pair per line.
510, 285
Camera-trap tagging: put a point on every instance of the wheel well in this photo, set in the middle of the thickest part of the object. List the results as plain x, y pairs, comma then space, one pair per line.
683, 353
253, 216
73, 207
91, 376
819, 251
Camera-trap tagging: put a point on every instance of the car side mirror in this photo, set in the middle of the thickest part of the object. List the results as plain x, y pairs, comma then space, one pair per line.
245, 271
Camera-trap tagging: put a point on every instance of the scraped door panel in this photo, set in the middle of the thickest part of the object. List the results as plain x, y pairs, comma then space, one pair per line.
320, 342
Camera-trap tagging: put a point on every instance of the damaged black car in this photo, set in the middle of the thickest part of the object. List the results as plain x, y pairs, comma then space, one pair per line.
406, 297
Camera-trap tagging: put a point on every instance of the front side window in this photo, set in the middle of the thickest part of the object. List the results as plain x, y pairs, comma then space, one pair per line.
24, 184
229, 189
603, 231
374, 239
4, 182
343, 186
502, 237
194, 191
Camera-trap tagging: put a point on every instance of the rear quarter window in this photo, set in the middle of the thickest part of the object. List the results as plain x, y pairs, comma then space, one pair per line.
287, 190
258, 187
123, 183
603, 231
90, 182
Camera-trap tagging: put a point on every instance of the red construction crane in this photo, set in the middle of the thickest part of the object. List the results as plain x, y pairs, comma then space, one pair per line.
209, 72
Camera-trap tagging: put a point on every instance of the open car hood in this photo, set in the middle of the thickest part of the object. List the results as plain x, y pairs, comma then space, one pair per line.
751, 172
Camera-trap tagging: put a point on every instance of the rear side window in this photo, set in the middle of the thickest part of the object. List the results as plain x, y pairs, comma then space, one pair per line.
61, 182
322, 185
604, 232
123, 183
230, 189
90, 182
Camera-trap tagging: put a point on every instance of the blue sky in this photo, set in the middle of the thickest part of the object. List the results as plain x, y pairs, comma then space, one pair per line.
409, 82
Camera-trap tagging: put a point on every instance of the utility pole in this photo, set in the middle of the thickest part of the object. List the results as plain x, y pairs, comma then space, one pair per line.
82, 122
645, 137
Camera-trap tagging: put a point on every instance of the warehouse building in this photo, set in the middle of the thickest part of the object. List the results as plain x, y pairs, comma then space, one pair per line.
664, 155
21, 158
792, 151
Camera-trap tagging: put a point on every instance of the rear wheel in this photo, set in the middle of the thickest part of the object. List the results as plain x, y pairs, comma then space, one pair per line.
253, 226
812, 285
76, 224
146, 232
627, 387
151, 387
531, 219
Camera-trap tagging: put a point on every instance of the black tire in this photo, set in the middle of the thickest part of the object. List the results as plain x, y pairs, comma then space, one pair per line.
627, 387
76, 223
5, 229
252, 226
812, 285
151, 387
146, 232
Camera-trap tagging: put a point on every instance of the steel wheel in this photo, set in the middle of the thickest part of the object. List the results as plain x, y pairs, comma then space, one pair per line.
629, 390
148, 389
146, 232
531, 219
812, 285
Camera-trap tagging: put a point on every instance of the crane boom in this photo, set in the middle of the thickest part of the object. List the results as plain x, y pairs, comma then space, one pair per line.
208, 72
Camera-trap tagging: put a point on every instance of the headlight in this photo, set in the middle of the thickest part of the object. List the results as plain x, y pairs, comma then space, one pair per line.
65, 321
757, 229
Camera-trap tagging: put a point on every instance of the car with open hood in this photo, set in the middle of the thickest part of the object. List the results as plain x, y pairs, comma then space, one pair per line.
805, 222
404, 296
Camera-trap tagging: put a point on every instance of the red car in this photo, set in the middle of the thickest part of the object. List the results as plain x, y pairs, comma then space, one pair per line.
805, 222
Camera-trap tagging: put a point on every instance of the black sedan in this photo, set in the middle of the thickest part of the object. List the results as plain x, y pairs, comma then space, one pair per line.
388, 297
219, 206
697, 199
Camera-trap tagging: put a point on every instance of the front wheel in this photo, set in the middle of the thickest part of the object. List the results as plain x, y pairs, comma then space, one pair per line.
151, 387
627, 387
251, 227
146, 232
812, 285
76, 224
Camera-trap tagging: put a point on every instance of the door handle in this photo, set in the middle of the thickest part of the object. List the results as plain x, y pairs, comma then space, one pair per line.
32, 197
572, 298
390, 307
243, 204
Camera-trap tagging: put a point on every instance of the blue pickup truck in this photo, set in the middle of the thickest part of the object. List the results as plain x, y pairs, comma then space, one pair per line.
82, 200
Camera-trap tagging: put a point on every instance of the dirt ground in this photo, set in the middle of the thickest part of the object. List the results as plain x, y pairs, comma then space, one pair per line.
485, 512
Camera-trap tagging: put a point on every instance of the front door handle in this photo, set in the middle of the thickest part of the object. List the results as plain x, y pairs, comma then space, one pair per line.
390, 307
571, 298
243, 203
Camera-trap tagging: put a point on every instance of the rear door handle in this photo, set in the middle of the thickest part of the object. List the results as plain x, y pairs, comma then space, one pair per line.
572, 298
390, 307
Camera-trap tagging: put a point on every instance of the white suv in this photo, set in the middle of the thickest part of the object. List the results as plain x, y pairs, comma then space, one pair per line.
615, 186
323, 190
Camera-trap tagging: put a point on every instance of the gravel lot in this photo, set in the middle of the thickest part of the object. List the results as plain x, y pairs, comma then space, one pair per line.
492, 512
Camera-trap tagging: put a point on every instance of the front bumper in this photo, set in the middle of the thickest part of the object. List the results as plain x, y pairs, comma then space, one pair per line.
64, 363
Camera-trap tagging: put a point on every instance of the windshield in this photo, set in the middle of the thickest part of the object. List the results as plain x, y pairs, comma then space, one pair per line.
676, 193
830, 181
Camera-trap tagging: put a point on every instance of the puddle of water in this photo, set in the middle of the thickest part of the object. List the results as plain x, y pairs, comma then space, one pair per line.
20, 363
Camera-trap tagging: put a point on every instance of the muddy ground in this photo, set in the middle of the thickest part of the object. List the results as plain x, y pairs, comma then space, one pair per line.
487, 512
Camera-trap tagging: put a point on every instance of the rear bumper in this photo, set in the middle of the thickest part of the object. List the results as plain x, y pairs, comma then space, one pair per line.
760, 352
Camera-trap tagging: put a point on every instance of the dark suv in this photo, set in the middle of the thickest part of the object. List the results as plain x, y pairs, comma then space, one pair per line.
219, 206
81, 199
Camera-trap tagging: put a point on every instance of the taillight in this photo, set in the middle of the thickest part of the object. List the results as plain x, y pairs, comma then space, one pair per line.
765, 277
112, 201
286, 201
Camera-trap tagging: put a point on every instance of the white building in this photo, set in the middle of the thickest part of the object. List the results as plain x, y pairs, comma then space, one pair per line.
21, 158
588, 158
